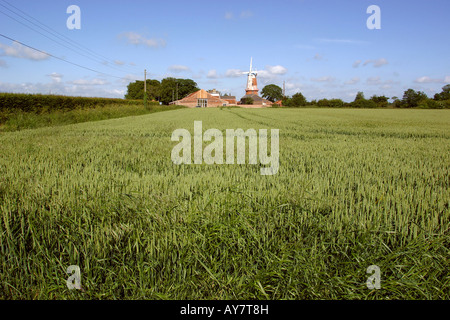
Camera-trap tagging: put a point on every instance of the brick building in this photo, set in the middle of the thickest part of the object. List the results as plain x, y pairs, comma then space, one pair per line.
203, 99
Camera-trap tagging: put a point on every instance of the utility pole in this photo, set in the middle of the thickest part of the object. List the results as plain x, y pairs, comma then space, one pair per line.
145, 80
145, 88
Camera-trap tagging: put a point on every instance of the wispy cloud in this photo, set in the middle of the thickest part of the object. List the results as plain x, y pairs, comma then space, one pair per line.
138, 39
233, 73
324, 79
229, 15
246, 14
376, 63
305, 46
86, 82
19, 51
318, 57
356, 63
276, 70
178, 68
56, 77
212, 74
340, 41
354, 80
426, 79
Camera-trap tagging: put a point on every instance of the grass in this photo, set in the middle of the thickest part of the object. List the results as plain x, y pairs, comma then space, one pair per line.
30, 120
355, 188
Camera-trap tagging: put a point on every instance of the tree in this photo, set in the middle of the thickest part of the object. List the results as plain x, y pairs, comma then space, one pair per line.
286, 101
247, 100
397, 103
172, 88
359, 96
135, 90
363, 103
335, 103
272, 92
444, 95
323, 103
381, 101
411, 98
298, 100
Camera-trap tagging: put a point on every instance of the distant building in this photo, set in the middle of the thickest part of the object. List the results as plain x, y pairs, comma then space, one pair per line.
230, 99
203, 99
251, 91
214, 93
257, 100
252, 84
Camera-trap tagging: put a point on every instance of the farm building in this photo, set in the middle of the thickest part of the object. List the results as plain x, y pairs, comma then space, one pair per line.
257, 100
204, 99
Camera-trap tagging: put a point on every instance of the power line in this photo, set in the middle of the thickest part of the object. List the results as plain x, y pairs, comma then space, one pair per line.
45, 35
92, 55
53, 56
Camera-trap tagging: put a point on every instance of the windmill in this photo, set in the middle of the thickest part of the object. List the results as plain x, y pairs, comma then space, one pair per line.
252, 85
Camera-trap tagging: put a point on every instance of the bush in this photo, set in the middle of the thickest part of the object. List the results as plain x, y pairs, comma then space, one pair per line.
38, 103
335, 103
363, 103
247, 100
446, 104
322, 103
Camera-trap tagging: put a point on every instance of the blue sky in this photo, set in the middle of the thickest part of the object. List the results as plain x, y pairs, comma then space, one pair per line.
321, 48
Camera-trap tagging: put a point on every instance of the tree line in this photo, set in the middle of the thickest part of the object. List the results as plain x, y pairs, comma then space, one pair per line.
410, 99
171, 89
165, 91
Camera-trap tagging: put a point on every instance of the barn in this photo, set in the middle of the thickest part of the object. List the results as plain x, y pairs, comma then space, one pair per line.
202, 99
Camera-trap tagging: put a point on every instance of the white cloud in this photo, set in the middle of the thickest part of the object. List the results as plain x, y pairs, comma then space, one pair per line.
304, 46
374, 81
63, 89
3, 63
119, 62
228, 15
137, 39
318, 57
354, 80
356, 63
56, 77
19, 51
426, 79
233, 73
246, 14
212, 74
341, 41
130, 78
93, 82
323, 79
376, 63
178, 68
276, 69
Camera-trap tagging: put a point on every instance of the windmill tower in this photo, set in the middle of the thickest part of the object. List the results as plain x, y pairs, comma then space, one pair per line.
252, 85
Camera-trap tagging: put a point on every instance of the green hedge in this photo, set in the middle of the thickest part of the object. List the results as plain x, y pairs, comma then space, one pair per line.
39, 103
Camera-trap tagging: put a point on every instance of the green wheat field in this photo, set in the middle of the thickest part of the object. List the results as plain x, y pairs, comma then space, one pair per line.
355, 188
